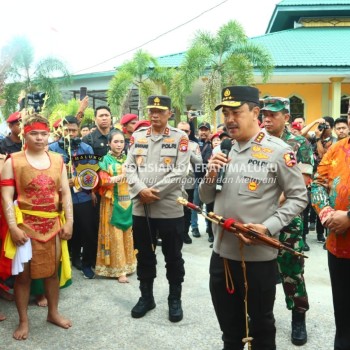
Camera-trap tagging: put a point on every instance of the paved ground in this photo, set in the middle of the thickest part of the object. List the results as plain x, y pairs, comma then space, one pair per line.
100, 311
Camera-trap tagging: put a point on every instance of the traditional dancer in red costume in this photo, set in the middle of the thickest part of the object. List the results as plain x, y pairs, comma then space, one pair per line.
38, 229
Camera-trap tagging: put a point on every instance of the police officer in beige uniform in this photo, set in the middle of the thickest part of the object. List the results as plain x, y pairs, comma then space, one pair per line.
259, 168
156, 166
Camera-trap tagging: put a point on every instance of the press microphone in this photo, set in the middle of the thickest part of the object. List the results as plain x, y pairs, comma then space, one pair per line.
225, 147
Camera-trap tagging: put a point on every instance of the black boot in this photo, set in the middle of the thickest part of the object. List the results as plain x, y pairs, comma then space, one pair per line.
186, 238
306, 247
299, 334
174, 302
146, 302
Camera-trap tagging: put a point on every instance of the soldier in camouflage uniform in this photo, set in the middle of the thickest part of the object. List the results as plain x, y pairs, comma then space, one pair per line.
291, 268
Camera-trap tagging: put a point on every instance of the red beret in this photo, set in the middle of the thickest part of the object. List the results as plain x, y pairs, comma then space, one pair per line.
14, 117
57, 123
142, 123
215, 135
128, 118
296, 125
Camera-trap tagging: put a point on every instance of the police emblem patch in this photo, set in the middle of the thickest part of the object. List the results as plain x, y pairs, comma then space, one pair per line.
289, 159
86, 166
183, 144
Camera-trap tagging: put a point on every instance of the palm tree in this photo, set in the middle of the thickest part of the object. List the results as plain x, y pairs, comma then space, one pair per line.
142, 72
227, 58
27, 76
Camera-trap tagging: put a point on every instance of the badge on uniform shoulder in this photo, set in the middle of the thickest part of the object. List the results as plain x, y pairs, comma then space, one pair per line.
259, 137
289, 159
183, 144
86, 166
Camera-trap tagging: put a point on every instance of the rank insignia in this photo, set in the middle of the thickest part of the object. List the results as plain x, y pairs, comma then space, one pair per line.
169, 140
289, 159
259, 137
183, 144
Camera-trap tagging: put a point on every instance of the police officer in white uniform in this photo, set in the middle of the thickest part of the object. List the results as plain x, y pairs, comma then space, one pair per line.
156, 166
259, 168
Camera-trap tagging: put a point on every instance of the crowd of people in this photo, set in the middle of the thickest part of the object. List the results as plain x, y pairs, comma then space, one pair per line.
102, 199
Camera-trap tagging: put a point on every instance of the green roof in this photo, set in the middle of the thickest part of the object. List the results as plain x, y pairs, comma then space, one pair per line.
287, 12
308, 47
173, 60
313, 2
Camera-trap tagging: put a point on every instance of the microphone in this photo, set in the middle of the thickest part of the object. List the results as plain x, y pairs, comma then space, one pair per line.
225, 147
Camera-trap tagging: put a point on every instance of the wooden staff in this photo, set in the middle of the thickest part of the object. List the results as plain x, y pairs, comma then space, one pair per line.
239, 228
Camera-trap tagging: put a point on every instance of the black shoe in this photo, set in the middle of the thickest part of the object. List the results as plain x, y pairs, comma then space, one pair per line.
159, 242
306, 247
142, 307
312, 226
88, 273
299, 334
76, 262
211, 239
324, 247
320, 238
196, 233
175, 310
187, 239
211, 245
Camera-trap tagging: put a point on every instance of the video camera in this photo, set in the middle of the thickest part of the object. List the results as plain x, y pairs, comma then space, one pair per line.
74, 143
35, 100
323, 126
194, 113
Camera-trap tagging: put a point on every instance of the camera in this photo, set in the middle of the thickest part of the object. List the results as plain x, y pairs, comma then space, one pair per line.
194, 113
323, 126
74, 143
35, 100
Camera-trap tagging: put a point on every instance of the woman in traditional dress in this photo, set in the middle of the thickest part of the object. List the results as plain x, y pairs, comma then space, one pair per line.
115, 250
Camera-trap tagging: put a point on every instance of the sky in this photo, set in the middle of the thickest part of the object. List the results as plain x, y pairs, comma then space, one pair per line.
98, 36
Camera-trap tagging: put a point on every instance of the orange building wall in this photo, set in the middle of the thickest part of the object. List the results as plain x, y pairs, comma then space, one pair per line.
312, 96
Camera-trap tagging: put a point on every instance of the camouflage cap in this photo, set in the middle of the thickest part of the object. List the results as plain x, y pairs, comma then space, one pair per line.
276, 104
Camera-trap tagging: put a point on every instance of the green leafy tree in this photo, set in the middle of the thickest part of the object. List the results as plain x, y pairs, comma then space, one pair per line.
62, 110
227, 58
143, 73
25, 76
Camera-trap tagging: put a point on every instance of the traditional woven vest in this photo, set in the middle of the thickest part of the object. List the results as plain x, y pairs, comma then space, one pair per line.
38, 190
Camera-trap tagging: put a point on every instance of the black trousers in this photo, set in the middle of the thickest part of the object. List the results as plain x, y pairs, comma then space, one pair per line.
339, 270
85, 233
229, 308
170, 231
